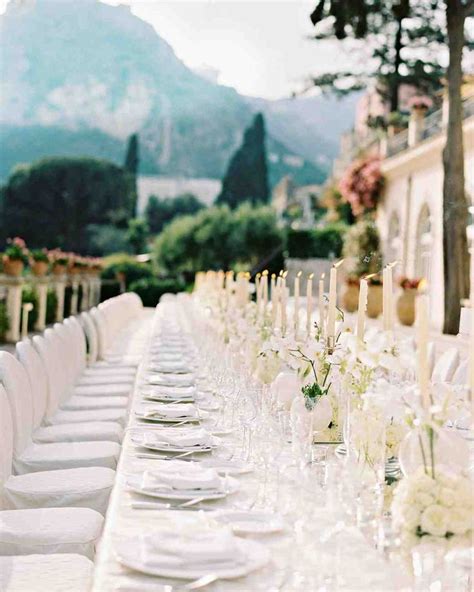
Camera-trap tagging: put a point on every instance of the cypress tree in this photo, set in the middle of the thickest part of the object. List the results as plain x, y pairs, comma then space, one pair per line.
246, 178
130, 166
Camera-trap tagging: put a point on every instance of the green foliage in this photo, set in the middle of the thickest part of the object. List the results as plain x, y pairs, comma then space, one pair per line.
246, 178
362, 248
51, 305
29, 295
137, 235
40, 255
323, 243
126, 264
105, 239
150, 290
4, 320
218, 238
159, 212
51, 202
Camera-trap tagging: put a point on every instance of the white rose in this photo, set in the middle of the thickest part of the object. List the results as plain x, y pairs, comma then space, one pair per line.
434, 520
459, 521
446, 497
410, 517
424, 499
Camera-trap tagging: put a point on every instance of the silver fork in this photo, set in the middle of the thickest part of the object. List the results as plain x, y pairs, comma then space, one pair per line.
156, 457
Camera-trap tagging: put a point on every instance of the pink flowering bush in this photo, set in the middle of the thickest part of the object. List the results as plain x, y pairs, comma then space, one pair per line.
362, 184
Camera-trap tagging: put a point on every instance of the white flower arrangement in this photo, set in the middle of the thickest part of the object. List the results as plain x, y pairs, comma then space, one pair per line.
438, 509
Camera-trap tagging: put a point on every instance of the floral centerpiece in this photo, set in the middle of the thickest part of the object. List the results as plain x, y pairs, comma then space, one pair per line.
15, 257
361, 185
39, 262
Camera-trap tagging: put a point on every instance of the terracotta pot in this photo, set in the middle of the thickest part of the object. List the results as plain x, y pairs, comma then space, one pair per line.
39, 268
350, 298
375, 301
13, 267
59, 269
75, 270
406, 307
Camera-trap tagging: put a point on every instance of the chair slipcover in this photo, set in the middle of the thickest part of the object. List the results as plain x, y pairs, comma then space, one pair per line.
446, 366
83, 487
461, 376
40, 573
29, 456
50, 530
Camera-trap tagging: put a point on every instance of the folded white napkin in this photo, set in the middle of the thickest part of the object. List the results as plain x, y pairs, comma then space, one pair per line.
174, 380
186, 438
192, 549
190, 478
170, 410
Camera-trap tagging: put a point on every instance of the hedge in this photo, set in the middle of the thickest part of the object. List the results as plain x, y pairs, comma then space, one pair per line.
321, 243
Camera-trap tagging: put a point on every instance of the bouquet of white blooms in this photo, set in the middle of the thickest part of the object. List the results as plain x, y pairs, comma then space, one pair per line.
436, 508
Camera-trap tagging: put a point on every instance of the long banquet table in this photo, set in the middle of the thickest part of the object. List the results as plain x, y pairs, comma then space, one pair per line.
316, 549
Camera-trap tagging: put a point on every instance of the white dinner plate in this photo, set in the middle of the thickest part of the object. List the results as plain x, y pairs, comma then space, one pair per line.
229, 485
128, 552
243, 522
229, 467
161, 419
139, 440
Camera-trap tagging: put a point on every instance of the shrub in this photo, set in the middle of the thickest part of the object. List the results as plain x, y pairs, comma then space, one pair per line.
362, 248
51, 305
4, 320
29, 295
322, 243
150, 290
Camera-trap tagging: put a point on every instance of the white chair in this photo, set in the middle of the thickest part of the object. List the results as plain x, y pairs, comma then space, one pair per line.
56, 388
102, 396
49, 530
446, 366
72, 432
51, 573
29, 456
84, 488
94, 365
461, 376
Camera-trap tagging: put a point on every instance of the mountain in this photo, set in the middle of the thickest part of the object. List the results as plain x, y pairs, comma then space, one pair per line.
78, 77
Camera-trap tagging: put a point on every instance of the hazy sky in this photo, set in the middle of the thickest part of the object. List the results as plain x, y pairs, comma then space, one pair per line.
258, 46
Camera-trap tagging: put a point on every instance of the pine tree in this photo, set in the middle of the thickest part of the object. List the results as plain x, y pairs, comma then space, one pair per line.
246, 178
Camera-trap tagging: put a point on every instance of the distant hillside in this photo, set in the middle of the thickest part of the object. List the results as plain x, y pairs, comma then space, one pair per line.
78, 76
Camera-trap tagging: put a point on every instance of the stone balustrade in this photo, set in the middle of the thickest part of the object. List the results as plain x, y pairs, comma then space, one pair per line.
12, 289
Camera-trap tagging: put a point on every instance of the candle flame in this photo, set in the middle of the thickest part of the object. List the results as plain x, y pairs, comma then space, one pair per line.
311, 276
338, 264
265, 272
273, 276
299, 274
285, 273
394, 263
281, 273
323, 275
370, 276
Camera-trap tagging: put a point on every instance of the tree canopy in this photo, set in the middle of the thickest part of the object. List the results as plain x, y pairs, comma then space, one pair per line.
54, 202
159, 212
246, 178
218, 238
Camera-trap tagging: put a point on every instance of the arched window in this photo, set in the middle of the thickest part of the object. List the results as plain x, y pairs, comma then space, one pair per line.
394, 241
424, 241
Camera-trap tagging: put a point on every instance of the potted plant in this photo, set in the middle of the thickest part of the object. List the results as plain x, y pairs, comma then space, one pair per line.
39, 262
15, 257
396, 123
76, 264
350, 297
375, 298
59, 261
420, 104
406, 300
